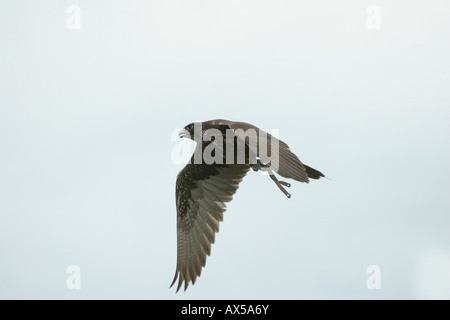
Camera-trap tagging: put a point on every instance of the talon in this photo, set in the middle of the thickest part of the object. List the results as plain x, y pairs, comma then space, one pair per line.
279, 183
264, 165
285, 183
260, 166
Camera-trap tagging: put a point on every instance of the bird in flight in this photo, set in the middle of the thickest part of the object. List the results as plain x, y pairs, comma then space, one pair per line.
224, 154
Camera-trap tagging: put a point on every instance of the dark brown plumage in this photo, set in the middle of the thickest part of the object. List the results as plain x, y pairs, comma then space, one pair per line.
203, 188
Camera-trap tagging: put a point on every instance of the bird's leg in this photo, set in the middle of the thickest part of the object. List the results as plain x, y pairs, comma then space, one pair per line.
280, 184
258, 165
266, 167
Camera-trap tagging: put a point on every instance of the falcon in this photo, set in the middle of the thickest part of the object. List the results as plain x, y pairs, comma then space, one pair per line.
224, 154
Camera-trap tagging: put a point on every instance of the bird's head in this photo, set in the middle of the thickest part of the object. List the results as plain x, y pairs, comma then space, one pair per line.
187, 131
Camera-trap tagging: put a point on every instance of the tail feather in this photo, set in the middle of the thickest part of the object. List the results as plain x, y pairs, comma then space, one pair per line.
313, 173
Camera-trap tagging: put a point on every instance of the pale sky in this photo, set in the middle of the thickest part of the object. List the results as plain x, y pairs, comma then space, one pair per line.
87, 117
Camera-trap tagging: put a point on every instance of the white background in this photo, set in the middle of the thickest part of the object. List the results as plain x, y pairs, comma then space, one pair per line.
87, 177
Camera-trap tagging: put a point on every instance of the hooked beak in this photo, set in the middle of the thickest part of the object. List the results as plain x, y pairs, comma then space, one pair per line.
184, 133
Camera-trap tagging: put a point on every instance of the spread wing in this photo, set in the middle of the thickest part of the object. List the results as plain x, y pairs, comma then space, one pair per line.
285, 162
201, 193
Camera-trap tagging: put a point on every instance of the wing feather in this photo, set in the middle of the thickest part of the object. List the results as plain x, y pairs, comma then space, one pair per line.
201, 193
287, 163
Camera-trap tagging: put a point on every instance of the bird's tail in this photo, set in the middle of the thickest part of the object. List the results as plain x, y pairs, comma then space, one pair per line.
313, 173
